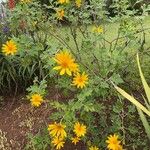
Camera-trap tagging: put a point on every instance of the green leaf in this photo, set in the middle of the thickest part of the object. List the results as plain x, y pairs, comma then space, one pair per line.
145, 122
145, 85
146, 103
132, 100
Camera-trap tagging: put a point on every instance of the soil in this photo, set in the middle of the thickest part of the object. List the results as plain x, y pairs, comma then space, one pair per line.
19, 118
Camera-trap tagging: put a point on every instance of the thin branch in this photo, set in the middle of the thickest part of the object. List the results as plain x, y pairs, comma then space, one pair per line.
132, 34
63, 42
75, 40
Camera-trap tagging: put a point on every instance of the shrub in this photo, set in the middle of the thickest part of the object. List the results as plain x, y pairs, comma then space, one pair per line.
78, 57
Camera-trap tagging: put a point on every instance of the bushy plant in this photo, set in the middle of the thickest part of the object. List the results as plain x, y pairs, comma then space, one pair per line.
18, 72
73, 49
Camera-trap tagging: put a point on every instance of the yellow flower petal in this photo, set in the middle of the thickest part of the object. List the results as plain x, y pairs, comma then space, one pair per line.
36, 100
75, 140
113, 142
57, 68
68, 72
79, 129
58, 142
9, 48
62, 71
57, 130
66, 64
80, 80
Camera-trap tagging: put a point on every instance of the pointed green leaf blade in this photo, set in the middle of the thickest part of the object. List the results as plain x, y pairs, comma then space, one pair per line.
145, 122
132, 100
145, 85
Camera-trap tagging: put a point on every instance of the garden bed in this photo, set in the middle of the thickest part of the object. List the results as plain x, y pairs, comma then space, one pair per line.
76, 69
18, 120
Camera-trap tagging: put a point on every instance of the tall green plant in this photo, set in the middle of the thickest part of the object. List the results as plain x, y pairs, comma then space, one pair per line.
139, 106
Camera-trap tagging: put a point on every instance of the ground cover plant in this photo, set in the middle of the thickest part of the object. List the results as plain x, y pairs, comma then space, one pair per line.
79, 51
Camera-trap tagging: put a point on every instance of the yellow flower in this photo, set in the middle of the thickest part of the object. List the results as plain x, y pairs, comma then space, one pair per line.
65, 63
63, 1
60, 14
113, 143
57, 129
79, 129
25, 1
93, 148
97, 29
74, 67
58, 142
78, 3
36, 100
80, 80
75, 140
9, 48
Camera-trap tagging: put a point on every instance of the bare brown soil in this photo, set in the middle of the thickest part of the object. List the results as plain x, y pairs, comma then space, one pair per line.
18, 119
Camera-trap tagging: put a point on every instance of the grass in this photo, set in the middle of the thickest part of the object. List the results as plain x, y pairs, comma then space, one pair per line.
111, 33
